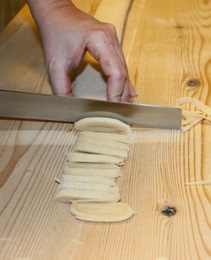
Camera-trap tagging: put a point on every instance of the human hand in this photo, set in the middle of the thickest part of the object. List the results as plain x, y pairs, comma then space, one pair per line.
67, 34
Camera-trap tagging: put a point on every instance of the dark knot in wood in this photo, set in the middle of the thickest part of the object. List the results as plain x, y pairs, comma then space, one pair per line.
193, 83
169, 211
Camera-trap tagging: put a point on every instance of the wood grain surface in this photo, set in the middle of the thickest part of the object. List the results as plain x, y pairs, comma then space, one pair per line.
166, 44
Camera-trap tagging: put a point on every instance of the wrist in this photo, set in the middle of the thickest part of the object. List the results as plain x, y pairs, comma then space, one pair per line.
41, 8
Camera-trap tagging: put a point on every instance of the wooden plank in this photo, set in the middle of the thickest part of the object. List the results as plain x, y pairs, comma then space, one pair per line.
8, 10
22, 64
166, 45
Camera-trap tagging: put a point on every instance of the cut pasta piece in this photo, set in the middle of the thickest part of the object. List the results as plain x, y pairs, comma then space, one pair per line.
97, 149
70, 195
88, 186
92, 165
103, 143
94, 158
75, 171
106, 136
191, 118
89, 179
102, 212
102, 124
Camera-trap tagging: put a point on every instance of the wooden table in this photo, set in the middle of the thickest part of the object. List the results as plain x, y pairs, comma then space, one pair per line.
166, 44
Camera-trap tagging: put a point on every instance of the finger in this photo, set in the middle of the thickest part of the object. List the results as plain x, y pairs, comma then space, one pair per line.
115, 84
113, 68
126, 93
129, 92
133, 93
116, 43
119, 87
108, 52
60, 80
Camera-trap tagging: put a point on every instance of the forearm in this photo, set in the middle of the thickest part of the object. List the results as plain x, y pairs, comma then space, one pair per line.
39, 8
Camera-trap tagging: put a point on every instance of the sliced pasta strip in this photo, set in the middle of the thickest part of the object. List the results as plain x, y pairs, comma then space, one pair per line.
102, 124
97, 149
191, 118
76, 185
94, 158
92, 165
90, 179
106, 136
75, 171
102, 212
103, 143
70, 195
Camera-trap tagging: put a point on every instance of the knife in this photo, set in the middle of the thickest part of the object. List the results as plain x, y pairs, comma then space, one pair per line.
19, 105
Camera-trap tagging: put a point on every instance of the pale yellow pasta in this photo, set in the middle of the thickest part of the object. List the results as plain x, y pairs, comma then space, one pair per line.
102, 124
102, 212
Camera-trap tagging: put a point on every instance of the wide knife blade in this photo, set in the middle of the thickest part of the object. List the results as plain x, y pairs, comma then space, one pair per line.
65, 109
